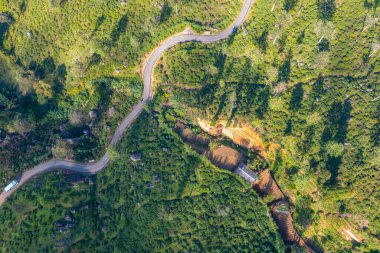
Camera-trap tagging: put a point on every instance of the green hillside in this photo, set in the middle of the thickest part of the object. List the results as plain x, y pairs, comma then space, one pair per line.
192, 206
310, 83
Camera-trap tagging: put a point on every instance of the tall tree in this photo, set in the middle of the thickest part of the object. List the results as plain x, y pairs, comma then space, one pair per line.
326, 9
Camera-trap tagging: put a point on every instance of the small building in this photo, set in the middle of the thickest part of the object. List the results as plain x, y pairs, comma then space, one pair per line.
63, 230
156, 178
149, 185
68, 218
136, 157
59, 224
246, 173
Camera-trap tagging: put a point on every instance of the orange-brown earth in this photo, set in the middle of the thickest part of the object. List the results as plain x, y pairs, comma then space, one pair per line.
224, 157
266, 185
242, 135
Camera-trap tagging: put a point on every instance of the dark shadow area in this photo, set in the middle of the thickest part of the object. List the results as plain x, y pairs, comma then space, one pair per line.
62, 73
284, 70
231, 39
308, 140
332, 165
289, 4
220, 64
326, 9
119, 29
296, 98
95, 59
336, 130
103, 88
289, 127
317, 91
98, 23
337, 118
6, 20
251, 98
246, 77
23, 6
324, 45
300, 37
166, 12
375, 131
222, 104
262, 41
46, 67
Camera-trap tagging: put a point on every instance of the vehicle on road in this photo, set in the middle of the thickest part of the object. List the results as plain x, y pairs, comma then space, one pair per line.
11, 185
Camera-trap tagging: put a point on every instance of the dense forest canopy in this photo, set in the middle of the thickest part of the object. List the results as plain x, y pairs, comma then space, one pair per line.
171, 200
305, 75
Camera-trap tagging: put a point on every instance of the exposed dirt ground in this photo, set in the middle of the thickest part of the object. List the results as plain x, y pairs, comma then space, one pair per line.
187, 135
244, 135
284, 222
265, 185
224, 157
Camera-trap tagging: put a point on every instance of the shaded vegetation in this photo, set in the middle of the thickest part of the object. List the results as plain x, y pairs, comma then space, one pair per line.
195, 208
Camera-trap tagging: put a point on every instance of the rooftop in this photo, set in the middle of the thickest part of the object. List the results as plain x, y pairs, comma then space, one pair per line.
246, 173
136, 157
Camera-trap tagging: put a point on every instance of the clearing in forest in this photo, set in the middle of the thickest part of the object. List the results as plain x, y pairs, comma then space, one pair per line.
266, 185
244, 135
224, 157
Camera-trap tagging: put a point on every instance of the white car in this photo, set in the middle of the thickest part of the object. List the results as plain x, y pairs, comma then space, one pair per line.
11, 185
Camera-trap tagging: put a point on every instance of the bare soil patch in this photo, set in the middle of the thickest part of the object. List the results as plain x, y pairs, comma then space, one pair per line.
189, 136
266, 185
244, 135
224, 157
284, 221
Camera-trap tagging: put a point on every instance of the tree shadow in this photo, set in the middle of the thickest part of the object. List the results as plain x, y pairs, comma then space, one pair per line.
221, 106
289, 127
166, 12
220, 63
317, 90
332, 165
246, 90
231, 38
375, 132
337, 119
103, 88
208, 92
62, 73
253, 99
4, 26
262, 41
41, 70
98, 23
284, 70
296, 98
119, 29
289, 4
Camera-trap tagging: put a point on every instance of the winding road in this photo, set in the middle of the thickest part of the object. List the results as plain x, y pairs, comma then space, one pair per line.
148, 70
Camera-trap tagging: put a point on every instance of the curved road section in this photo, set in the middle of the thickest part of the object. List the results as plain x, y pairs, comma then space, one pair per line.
92, 168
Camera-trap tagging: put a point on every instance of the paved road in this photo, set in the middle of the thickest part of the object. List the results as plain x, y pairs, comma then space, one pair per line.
132, 116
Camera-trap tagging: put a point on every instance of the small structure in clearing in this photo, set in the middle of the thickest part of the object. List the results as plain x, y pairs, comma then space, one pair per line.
246, 173
244, 135
136, 157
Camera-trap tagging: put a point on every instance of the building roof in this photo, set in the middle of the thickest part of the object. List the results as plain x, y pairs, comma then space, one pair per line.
136, 157
246, 173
